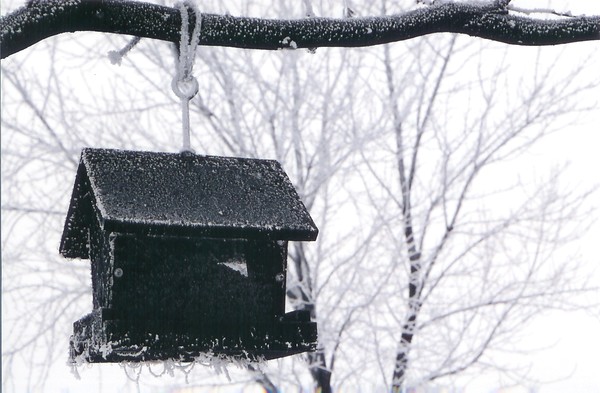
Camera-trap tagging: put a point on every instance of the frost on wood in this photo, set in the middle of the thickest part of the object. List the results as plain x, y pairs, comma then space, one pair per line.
192, 195
219, 363
98, 341
489, 20
188, 254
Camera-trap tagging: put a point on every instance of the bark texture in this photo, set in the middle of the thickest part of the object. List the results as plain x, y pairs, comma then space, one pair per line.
42, 19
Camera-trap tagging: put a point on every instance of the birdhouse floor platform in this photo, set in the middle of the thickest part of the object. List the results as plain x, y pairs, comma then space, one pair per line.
99, 339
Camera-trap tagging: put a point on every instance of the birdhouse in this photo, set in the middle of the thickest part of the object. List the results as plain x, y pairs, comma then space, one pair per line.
188, 255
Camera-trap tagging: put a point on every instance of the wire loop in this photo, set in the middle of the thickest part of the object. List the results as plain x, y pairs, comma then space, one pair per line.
185, 89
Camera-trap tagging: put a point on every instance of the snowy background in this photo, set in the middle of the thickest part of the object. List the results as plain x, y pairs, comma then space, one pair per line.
331, 108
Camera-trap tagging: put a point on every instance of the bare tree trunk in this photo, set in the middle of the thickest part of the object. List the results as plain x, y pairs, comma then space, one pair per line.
414, 284
319, 371
301, 296
264, 380
406, 177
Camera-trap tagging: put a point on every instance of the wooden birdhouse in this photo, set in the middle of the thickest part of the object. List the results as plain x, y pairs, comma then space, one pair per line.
188, 255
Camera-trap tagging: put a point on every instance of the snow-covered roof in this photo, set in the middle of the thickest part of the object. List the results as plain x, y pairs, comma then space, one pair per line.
182, 194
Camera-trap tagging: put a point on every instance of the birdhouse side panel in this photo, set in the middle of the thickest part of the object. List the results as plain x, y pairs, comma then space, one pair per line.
101, 256
183, 284
75, 242
267, 266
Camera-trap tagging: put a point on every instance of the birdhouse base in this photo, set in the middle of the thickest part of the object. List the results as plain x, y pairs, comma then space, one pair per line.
98, 339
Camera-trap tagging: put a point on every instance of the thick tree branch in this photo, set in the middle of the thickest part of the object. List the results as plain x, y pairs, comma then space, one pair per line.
43, 19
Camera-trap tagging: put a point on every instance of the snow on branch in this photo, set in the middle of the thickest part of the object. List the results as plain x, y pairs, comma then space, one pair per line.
42, 19
530, 11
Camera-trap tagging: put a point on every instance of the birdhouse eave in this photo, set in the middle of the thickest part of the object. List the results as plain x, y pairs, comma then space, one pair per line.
187, 195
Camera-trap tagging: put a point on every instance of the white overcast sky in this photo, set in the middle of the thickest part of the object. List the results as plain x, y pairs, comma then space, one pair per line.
572, 339
574, 353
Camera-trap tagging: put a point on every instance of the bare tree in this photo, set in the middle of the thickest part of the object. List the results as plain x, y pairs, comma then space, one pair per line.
473, 270
418, 275
315, 153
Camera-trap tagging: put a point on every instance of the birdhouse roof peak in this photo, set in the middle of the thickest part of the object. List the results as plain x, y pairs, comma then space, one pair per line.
184, 194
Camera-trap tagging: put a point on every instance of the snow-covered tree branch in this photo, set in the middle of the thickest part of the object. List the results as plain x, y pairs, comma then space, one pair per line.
494, 20
435, 169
